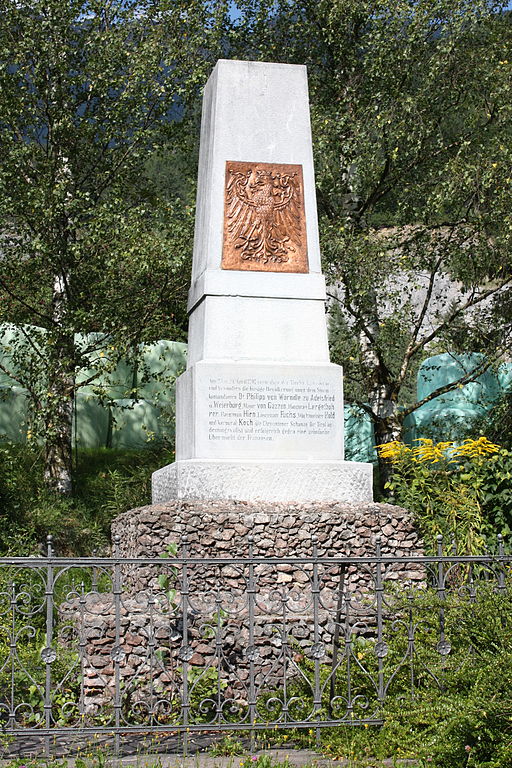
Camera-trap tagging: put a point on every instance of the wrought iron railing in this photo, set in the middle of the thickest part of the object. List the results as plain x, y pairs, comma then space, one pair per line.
115, 646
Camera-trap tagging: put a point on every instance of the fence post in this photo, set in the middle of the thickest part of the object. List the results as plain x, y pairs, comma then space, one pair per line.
185, 651
94, 573
153, 701
48, 654
12, 653
501, 572
443, 647
380, 646
440, 568
251, 650
336, 639
315, 590
218, 650
117, 652
82, 645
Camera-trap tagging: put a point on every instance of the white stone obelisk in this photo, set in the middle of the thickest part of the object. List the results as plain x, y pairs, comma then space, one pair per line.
259, 410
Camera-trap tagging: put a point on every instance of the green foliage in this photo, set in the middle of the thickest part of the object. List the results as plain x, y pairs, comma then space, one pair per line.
264, 761
444, 729
91, 243
466, 710
28, 673
412, 127
205, 688
495, 491
473, 708
457, 491
96, 759
107, 484
227, 745
167, 581
498, 424
93, 758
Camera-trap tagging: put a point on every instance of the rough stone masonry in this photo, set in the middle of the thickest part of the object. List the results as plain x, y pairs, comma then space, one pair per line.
149, 643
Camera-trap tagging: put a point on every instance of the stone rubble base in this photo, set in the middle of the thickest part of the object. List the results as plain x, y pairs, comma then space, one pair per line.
151, 617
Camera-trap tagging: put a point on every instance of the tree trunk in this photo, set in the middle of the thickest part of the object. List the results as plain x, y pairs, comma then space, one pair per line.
387, 427
58, 446
58, 412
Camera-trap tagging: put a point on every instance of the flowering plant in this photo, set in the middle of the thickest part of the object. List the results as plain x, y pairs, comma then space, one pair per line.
461, 490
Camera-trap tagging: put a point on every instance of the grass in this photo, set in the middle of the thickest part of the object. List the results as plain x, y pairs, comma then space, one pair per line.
106, 483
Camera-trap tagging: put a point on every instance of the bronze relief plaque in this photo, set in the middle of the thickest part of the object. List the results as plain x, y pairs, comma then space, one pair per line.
264, 218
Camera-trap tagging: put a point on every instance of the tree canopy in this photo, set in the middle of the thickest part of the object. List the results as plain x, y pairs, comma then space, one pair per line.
411, 114
89, 244
411, 111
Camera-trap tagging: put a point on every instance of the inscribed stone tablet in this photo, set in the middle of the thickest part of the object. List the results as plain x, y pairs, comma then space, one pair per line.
263, 411
264, 219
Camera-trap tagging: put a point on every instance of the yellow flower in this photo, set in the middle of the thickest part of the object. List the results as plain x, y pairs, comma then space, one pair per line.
393, 450
474, 448
430, 451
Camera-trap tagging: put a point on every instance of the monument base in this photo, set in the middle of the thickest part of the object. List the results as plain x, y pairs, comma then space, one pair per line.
260, 480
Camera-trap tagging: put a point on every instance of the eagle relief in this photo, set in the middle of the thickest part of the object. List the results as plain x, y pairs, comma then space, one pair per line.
264, 220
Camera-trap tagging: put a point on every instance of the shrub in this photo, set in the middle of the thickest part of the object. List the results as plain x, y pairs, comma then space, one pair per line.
106, 483
459, 710
463, 490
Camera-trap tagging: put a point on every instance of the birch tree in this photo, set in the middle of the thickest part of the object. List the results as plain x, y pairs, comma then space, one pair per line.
412, 126
89, 91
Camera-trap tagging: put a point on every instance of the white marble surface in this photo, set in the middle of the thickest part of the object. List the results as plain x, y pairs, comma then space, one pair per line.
252, 112
236, 410
249, 480
246, 328
289, 285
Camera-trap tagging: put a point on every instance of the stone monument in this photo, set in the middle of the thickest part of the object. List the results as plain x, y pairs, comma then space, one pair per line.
259, 410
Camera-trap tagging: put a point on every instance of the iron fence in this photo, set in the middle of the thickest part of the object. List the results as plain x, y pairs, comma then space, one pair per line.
116, 646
